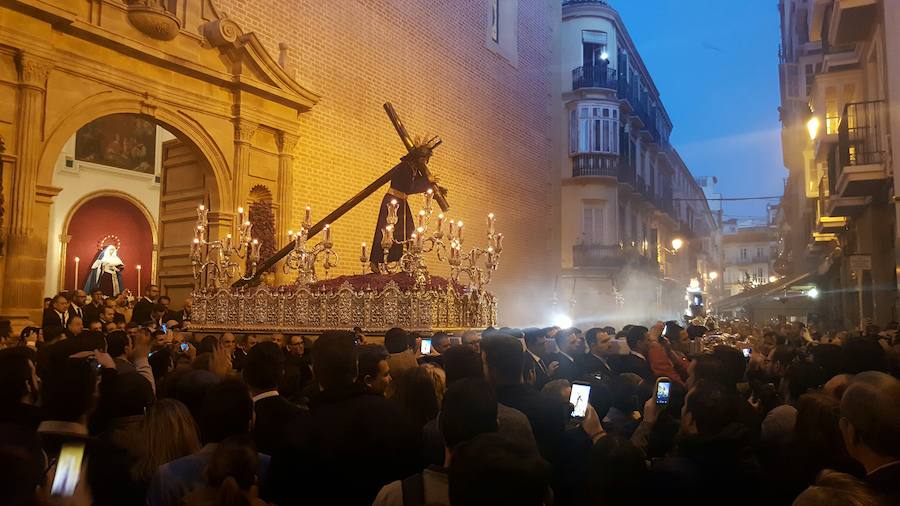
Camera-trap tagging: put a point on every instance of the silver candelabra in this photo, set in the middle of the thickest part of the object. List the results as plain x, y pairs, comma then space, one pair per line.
479, 262
216, 263
303, 258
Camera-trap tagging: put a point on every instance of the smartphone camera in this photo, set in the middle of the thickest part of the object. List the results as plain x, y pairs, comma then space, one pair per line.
68, 470
663, 389
184, 347
579, 398
747, 352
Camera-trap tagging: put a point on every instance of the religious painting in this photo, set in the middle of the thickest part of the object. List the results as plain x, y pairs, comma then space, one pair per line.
124, 141
495, 20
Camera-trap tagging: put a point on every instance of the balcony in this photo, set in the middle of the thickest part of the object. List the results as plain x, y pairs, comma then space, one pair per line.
602, 76
751, 260
856, 167
851, 21
827, 220
595, 164
610, 257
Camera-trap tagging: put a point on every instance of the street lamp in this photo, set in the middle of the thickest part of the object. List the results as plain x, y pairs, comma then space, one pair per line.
773, 279
813, 293
677, 243
713, 275
813, 127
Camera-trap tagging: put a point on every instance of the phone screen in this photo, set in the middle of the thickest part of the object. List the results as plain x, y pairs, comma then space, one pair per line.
184, 346
426, 347
747, 352
662, 392
581, 394
68, 469
164, 328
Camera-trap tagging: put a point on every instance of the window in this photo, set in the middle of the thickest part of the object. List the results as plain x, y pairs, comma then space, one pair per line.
759, 254
495, 20
594, 44
592, 224
743, 253
594, 129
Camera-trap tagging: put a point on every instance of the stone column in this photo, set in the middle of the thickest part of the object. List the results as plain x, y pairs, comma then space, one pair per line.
26, 254
286, 145
243, 138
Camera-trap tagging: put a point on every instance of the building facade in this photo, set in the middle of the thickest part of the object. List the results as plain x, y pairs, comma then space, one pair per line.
749, 255
275, 102
635, 226
840, 66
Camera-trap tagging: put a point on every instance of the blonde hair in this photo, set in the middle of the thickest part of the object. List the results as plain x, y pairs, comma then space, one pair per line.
169, 433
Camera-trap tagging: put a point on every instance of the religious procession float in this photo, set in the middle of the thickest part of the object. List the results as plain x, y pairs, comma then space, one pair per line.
396, 291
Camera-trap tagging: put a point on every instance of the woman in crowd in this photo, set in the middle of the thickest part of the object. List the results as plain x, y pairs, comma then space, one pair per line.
169, 433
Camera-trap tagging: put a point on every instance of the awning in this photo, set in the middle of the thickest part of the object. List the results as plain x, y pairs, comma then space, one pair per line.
761, 291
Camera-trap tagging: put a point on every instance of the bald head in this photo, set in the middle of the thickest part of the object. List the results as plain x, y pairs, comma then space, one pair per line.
871, 410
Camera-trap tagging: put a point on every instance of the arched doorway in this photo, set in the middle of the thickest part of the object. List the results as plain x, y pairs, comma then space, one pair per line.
129, 180
104, 219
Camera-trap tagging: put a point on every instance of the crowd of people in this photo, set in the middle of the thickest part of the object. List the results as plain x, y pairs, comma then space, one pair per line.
112, 404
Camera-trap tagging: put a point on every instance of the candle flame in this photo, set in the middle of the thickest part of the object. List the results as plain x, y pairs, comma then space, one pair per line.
393, 202
441, 216
138, 266
77, 259
196, 241
202, 207
491, 216
240, 210
255, 242
290, 233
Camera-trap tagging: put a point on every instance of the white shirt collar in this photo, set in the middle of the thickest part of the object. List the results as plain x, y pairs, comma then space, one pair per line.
638, 354
566, 355
879, 468
265, 395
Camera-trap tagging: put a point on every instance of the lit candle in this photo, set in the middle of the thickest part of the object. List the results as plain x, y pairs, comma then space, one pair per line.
327, 234
228, 243
429, 195
452, 229
240, 214
440, 223
422, 218
363, 255
77, 261
459, 226
290, 234
308, 217
491, 224
138, 267
499, 242
255, 250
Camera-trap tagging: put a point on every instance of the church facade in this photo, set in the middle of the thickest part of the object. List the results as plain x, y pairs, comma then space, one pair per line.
276, 104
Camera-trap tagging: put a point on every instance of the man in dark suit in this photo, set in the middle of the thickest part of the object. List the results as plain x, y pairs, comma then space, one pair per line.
91, 312
262, 372
571, 345
57, 315
347, 423
595, 361
535, 348
144, 307
870, 416
76, 305
636, 361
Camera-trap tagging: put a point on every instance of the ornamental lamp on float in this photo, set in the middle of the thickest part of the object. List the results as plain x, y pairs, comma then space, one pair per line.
677, 243
713, 275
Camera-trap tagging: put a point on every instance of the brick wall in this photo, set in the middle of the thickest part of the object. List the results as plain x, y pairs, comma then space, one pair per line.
429, 59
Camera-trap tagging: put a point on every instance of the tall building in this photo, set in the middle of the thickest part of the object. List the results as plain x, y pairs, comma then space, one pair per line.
635, 225
840, 80
749, 253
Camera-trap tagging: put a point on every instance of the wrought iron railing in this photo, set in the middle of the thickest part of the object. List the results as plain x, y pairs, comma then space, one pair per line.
601, 255
860, 138
597, 76
595, 164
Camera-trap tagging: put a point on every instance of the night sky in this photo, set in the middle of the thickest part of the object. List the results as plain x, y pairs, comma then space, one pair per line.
716, 67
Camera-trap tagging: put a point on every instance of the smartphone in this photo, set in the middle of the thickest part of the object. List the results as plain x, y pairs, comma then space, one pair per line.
425, 349
68, 469
663, 386
164, 327
747, 352
581, 394
184, 347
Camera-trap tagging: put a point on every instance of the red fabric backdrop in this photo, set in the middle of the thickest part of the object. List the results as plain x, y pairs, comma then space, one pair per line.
104, 216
